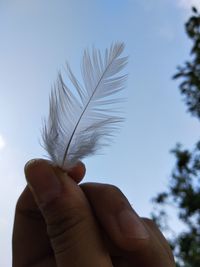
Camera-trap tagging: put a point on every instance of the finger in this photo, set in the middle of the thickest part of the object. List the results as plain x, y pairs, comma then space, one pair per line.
124, 227
31, 245
71, 228
77, 172
156, 232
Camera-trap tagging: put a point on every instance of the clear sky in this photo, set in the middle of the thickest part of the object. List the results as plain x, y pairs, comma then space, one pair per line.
37, 37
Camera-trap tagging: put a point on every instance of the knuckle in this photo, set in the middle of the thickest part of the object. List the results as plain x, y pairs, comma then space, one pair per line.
104, 192
135, 245
64, 225
67, 221
100, 187
114, 198
110, 189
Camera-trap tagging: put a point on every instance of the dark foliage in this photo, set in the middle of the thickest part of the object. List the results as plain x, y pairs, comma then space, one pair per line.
183, 192
190, 71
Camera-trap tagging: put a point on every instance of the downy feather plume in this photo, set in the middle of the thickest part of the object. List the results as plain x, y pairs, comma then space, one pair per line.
80, 124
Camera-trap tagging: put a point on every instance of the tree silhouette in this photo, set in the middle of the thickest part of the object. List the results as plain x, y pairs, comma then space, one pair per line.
183, 190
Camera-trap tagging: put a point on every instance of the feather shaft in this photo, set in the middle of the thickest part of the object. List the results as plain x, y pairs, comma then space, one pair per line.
78, 127
65, 154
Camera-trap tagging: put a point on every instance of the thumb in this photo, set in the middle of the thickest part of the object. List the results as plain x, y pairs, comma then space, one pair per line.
71, 227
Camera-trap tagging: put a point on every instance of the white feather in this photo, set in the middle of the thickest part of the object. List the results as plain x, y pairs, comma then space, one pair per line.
78, 126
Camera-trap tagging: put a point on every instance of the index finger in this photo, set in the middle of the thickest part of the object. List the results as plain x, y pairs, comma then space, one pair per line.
127, 231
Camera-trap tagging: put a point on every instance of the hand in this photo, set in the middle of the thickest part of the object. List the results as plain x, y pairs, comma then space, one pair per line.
59, 223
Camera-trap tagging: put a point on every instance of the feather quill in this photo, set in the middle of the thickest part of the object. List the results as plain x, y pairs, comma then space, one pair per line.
80, 124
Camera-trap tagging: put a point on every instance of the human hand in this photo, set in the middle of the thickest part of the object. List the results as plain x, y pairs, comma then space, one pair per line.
59, 223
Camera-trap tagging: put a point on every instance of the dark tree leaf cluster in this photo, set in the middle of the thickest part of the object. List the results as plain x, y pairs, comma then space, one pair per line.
183, 192
189, 73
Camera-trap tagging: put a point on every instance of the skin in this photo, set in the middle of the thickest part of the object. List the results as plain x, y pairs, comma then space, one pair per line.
60, 223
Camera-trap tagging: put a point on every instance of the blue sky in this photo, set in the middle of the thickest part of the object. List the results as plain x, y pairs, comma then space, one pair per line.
37, 37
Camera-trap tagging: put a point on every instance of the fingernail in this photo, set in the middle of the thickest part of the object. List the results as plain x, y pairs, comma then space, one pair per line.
131, 226
42, 181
